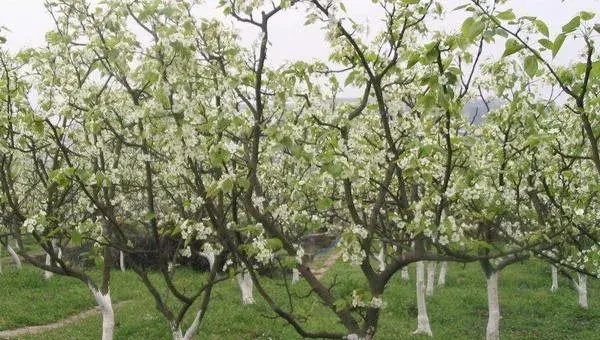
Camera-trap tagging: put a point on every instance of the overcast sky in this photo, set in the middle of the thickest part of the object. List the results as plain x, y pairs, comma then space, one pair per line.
291, 40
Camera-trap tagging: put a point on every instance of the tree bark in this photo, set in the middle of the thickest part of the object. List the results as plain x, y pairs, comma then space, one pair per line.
554, 287
48, 274
108, 317
122, 261
178, 334
431, 265
381, 259
13, 255
493, 325
404, 274
581, 286
443, 272
210, 257
245, 281
422, 318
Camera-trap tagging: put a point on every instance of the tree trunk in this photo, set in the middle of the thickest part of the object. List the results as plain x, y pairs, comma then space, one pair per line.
295, 275
554, 287
381, 259
404, 274
581, 286
210, 257
493, 325
122, 261
178, 334
108, 316
245, 281
443, 272
13, 255
48, 274
422, 318
431, 265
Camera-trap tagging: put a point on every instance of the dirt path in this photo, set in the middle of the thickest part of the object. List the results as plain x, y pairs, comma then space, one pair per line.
326, 265
11, 333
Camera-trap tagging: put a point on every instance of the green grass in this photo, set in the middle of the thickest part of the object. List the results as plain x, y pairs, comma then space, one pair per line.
457, 311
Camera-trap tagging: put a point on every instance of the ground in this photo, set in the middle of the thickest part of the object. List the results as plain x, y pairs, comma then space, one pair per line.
457, 311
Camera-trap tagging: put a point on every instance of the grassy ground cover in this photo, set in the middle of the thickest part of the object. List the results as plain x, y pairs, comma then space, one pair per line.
457, 311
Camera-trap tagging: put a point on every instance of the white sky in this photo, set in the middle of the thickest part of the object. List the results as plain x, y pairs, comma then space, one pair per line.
291, 40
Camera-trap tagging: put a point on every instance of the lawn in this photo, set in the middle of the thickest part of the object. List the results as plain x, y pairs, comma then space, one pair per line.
457, 311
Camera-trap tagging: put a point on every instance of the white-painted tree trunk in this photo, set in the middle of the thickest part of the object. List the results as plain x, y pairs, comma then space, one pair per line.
245, 281
554, 287
431, 265
178, 334
295, 275
48, 274
443, 272
108, 316
493, 325
581, 286
122, 261
210, 256
13, 255
422, 318
381, 259
404, 274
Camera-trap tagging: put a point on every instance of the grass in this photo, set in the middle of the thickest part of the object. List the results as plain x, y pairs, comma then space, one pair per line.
457, 311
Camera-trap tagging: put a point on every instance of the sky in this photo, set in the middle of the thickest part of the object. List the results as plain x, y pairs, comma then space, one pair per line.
291, 40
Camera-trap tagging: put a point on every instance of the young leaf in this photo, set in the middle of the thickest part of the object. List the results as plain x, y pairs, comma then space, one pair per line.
585, 16
560, 39
531, 65
547, 44
542, 27
466, 26
512, 46
571, 25
506, 15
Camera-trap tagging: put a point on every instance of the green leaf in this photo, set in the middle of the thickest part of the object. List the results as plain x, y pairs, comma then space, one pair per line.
597, 28
585, 16
560, 39
335, 170
572, 25
466, 26
547, 44
274, 243
506, 15
512, 46
472, 28
413, 60
542, 27
76, 237
410, 2
351, 77
531, 65
149, 216
227, 184
324, 203
461, 7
